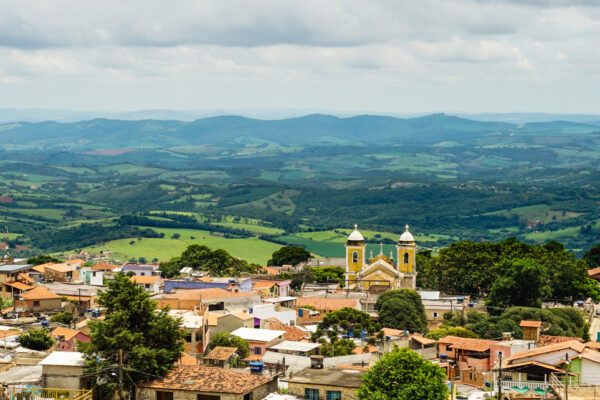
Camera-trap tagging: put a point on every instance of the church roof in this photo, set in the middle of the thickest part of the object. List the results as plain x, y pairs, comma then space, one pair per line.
380, 264
406, 236
356, 236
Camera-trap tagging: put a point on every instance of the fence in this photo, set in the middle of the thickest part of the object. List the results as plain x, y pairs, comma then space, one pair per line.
37, 393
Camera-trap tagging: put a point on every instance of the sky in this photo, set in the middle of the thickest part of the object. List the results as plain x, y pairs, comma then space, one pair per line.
376, 56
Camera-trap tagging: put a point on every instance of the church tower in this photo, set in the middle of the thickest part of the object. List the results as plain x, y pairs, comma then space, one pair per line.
407, 259
355, 255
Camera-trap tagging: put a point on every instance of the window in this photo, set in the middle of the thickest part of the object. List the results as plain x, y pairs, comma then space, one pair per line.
355, 256
311, 394
208, 397
188, 337
94, 273
257, 350
142, 274
164, 395
435, 315
334, 395
405, 258
147, 286
36, 303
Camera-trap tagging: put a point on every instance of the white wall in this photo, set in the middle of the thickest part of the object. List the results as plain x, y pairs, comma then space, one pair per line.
590, 372
264, 311
96, 280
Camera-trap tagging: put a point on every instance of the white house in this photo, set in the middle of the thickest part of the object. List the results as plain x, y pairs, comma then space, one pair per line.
151, 284
264, 311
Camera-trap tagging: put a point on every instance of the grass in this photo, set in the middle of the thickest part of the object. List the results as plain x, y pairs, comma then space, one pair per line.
258, 229
250, 249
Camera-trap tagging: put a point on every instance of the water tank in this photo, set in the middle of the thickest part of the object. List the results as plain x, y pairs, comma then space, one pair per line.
300, 312
471, 305
256, 367
443, 357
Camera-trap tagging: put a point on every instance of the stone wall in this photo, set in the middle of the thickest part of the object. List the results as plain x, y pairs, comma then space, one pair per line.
299, 389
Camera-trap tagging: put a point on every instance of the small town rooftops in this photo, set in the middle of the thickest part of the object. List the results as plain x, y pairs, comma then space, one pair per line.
530, 324
18, 285
205, 294
144, 280
102, 266
288, 345
258, 335
422, 340
341, 377
291, 332
478, 345
64, 358
62, 268
264, 284
220, 353
67, 333
326, 304
14, 268
198, 378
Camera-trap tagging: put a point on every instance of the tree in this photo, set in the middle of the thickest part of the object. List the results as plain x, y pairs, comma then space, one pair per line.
403, 374
226, 339
522, 283
402, 309
445, 330
43, 259
175, 236
63, 318
291, 255
36, 339
151, 340
592, 257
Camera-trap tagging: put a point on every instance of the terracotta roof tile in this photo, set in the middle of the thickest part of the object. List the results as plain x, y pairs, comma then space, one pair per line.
8, 333
530, 324
25, 277
102, 266
144, 280
479, 345
422, 340
548, 340
19, 285
291, 332
198, 378
272, 271
392, 332
591, 355
594, 271
361, 349
75, 261
66, 332
573, 344
197, 294
39, 293
263, 285
186, 359
220, 353
254, 357
62, 268
326, 304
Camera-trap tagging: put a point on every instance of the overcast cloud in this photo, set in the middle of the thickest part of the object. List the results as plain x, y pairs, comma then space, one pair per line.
387, 56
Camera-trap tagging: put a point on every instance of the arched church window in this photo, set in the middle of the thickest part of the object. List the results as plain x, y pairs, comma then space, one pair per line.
405, 258
355, 256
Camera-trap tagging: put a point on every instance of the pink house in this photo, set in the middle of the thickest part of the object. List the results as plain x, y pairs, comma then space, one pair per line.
259, 339
66, 339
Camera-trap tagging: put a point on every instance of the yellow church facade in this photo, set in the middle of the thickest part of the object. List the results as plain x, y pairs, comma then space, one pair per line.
362, 273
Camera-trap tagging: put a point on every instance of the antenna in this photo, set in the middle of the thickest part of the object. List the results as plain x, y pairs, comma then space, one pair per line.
6, 240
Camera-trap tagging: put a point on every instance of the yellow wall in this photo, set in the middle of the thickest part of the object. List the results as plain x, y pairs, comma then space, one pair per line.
411, 259
355, 266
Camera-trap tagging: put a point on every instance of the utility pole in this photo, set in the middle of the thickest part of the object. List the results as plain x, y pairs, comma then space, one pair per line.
567, 377
120, 374
500, 376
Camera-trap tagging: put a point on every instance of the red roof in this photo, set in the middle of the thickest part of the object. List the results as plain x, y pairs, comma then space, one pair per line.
530, 324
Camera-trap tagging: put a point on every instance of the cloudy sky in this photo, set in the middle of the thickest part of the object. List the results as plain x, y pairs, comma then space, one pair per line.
394, 56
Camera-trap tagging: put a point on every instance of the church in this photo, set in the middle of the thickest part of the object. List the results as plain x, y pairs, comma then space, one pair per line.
381, 270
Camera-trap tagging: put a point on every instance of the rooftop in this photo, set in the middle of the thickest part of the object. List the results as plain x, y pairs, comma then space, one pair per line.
64, 358
198, 378
573, 344
62, 268
220, 353
340, 377
13, 268
102, 266
39, 293
66, 332
291, 332
288, 345
328, 304
204, 294
530, 324
18, 285
258, 335
144, 280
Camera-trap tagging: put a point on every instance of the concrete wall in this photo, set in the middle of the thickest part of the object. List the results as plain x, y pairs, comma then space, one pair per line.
590, 372
61, 376
97, 278
264, 311
150, 394
296, 363
299, 389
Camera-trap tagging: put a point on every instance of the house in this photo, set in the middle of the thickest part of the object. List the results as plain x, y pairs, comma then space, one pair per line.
467, 353
38, 299
219, 356
436, 304
141, 269
220, 323
325, 305
264, 311
283, 301
272, 288
198, 382
305, 349
103, 266
151, 284
61, 273
17, 287
11, 273
91, 276
67, 338
548, 354
63, 370
216, 299
531, 330
195, 330
259, 339
291, 332
585, 366
594, 274
337, 383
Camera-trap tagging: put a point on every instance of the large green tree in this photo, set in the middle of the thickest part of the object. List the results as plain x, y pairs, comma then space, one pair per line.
150, 340
592, 257
402, 309
521, 283
43, 259
202, 258
36, 339
291, 255
403, 374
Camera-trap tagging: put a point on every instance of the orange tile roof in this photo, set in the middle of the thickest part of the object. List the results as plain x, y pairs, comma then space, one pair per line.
220, 353
39, 293
66, 332
546, 340
450, 339
9, 332
530, 324
102, 266
42, 267
213, 318
254, 357
272, 271
392, 332
423, 340
194, 294
61, 268
291, 332
534, 363
263, 285
469, 344
593, 271
18, 285
198, 378
75, 261
25, 277
591, 355
593, 345
326, 304
573, 344
361, 349
243, 316
186, 359
144, 280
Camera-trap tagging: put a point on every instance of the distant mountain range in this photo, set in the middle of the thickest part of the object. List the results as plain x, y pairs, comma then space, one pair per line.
316, 128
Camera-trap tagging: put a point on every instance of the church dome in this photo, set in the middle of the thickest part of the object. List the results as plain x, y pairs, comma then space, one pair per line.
406, 237
356, 236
